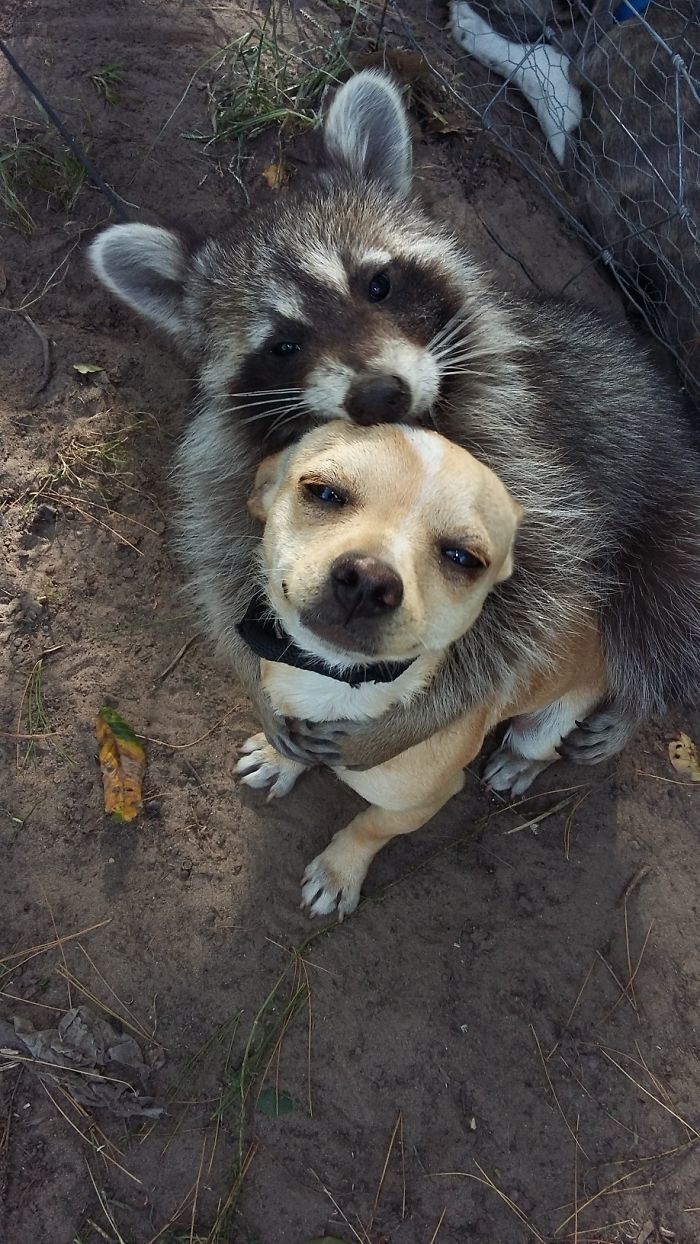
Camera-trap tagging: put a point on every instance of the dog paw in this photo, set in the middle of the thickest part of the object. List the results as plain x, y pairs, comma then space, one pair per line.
261, 765
506, 771
596, 739
333, 881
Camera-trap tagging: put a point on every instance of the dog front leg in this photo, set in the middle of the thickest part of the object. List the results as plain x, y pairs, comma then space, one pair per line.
334, 878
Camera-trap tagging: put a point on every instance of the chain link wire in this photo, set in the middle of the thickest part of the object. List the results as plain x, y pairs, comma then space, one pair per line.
616, 90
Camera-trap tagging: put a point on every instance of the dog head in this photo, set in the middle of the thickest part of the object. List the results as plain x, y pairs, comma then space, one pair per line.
380, 543
339, 300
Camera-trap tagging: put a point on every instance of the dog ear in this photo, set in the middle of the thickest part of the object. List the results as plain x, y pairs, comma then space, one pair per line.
145, 266
366, 131
509, 561
267, 478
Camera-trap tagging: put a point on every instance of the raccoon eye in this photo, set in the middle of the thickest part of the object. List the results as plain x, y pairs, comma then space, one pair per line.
285, 349
325, 493
462, 558
379, 287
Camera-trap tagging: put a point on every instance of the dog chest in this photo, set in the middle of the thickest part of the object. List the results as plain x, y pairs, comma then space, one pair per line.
314, 697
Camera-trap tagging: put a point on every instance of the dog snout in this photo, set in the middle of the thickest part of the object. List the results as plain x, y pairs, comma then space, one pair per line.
378, 399
365, 586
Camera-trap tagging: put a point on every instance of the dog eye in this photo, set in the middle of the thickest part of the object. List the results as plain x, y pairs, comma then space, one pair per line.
285, 349
462, 558
379, 287
324, 492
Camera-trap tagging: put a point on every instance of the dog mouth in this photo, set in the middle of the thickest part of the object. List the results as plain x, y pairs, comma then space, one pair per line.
335, 635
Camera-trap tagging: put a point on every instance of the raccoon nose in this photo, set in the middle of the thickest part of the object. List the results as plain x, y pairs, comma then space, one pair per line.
365, 586
378, 399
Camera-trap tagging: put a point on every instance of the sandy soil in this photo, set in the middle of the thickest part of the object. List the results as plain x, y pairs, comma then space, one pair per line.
478, 997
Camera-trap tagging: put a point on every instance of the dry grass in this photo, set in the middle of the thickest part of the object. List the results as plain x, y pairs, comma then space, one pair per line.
33, 161
266, 80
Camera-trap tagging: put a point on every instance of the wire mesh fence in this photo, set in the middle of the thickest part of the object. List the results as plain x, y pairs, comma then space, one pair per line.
615, 87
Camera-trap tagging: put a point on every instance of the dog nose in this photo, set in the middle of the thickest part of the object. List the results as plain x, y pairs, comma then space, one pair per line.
365, 586
378, 399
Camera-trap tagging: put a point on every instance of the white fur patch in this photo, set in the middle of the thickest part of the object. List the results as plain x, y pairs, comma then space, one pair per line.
430, 450
285, 302
415, 366
327, 388
258, 331
538, 70
315, 697
374, 258
326, 266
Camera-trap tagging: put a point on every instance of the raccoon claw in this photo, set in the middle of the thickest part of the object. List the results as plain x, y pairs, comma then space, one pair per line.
317, 742
332, 743
262, 765
597, 738
282, 742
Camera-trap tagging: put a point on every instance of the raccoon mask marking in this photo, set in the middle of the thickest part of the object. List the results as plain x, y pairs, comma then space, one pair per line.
339, 301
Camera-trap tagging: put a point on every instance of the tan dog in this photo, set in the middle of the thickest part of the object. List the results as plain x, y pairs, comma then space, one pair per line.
380, 548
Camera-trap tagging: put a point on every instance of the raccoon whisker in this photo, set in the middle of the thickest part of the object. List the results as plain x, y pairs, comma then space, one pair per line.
453, 350
456, 357
460, 371
449, 360
261, 401
267, 392
286, 417
447, 342
269, 414
453, 325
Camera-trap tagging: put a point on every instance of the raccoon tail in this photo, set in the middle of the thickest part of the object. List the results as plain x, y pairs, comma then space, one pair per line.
651, 624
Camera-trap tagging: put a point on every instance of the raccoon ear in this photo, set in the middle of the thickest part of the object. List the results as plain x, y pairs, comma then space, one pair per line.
143, 265
366, 131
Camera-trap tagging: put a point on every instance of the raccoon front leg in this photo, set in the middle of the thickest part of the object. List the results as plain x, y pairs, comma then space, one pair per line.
363, 744
533, 742
599, 736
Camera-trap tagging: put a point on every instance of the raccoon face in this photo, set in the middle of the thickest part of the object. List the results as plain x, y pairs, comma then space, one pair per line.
340, 302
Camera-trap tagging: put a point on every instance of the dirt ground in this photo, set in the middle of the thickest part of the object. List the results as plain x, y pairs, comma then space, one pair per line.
501, 1045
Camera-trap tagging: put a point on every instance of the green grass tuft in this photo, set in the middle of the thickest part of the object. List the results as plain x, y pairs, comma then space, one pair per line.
259, 83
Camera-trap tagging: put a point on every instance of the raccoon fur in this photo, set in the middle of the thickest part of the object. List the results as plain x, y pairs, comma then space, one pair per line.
344, 299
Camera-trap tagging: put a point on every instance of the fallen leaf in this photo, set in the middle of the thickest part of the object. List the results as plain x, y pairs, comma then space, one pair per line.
683, 754
84, 1042
454, 121
87, 369
3, 281
272, 1103
276, 176
123, 764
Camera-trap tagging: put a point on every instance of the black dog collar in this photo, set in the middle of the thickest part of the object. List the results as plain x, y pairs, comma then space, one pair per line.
269, 641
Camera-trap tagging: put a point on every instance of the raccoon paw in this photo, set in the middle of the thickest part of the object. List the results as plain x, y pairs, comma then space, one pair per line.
507, 771
333, 880
597, 738
262, 766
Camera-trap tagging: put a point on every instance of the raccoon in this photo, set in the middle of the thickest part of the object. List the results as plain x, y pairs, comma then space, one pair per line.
615, 90
344, 300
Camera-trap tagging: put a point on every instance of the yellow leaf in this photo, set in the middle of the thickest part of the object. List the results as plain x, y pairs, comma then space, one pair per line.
275, 175
123, 764
683, 754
